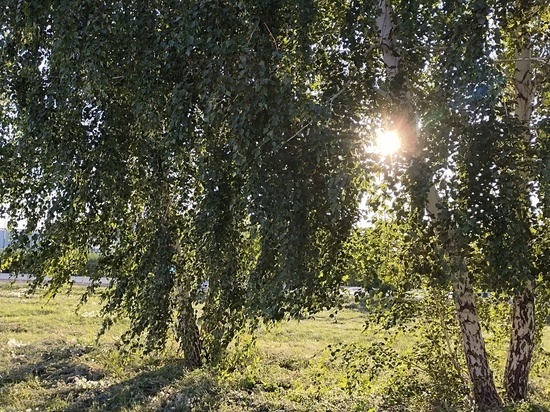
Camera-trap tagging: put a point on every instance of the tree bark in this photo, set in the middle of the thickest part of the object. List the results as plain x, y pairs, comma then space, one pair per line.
188, 334
522, 343
483, 386
479, 371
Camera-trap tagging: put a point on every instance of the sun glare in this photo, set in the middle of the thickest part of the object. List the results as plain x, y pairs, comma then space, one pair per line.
387, 142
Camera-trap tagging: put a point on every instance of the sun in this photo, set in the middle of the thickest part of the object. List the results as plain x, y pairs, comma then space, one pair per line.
387, 142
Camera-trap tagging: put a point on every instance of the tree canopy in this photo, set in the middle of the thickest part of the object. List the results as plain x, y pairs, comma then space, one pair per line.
224, 142
187, 142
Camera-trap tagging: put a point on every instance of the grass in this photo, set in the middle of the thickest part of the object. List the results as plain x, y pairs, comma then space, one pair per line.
50, 361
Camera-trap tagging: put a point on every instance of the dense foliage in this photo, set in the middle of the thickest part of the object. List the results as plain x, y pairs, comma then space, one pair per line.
187, 142
223, 143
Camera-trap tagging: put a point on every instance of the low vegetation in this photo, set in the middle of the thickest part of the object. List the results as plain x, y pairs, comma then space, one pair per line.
50, 361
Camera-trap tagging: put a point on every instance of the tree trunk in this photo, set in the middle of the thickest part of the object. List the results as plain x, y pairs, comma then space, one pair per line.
188, 334
483, 386
522, 343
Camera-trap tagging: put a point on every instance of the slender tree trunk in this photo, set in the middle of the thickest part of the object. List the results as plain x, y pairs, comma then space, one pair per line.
186, 328
188, 333
483, 386
481, 376
522, 343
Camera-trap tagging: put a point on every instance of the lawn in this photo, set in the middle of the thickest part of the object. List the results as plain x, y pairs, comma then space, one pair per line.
50, 361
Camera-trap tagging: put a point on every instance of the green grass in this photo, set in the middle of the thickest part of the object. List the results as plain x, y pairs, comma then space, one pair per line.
50, 361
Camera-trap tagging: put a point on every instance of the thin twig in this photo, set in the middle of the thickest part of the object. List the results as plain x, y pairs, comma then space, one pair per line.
272, 36
251, 35
533, 59
330, 100
299, 131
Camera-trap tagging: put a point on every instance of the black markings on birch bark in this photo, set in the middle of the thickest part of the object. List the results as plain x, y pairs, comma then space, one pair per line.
480, 373
522, 343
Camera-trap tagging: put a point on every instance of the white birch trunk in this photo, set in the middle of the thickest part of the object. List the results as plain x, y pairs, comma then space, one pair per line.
522, 344
480, 374
473, 344
522, 337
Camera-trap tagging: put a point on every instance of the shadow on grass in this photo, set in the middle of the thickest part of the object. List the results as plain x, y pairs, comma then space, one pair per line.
65, 378
198, 391
52, 365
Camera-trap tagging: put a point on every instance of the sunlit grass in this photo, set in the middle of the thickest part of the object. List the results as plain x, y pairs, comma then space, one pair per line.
50, 361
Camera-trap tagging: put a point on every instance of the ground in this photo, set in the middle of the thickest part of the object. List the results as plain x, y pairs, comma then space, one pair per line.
50, 361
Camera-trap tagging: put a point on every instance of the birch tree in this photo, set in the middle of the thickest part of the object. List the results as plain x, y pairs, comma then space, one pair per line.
449, 242
484, 199
190, 143
219, 143
524, 39
522, 336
